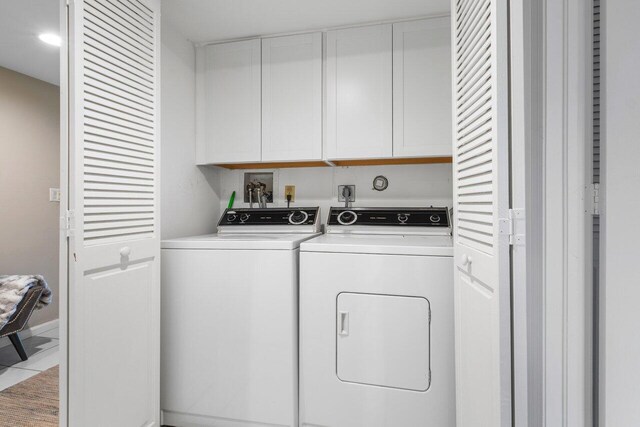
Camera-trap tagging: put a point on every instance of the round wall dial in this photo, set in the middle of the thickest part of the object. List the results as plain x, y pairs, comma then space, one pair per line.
380, 183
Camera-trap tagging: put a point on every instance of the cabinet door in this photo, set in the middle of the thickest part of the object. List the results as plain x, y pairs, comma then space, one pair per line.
292, 98
228, 102
422, 88
359, 90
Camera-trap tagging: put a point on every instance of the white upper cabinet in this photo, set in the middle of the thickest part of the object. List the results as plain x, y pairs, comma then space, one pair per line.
229, 102
422, 88
292, 98
359, 93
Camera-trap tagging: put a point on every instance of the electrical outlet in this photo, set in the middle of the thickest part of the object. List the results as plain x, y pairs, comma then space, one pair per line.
290, 190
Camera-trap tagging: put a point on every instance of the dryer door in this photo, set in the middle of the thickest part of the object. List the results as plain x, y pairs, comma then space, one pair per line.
383, 340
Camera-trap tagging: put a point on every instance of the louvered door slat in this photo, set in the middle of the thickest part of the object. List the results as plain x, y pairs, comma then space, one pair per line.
117, 131
100, 170
471, 134
126, 216
118, 148
477, 55
470, 27
116, 23
119, 120
463, 13
480, 89
470, 39
118, 66
123, 43
123, 80
123, 14
143, 9
470, 66
93, 213
122, 95
108, 106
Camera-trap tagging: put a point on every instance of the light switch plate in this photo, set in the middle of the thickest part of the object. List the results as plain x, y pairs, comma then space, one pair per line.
54, 195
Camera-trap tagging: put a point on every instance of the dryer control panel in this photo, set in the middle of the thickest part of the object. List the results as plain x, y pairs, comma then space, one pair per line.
392, 219
280, 220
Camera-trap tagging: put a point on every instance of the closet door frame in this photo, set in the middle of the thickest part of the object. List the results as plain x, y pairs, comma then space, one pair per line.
551, 154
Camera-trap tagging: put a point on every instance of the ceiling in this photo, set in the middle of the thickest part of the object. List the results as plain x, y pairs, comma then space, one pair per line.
21, 21
211, 20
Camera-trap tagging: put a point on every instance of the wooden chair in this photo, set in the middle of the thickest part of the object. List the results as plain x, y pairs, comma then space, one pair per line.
20, 318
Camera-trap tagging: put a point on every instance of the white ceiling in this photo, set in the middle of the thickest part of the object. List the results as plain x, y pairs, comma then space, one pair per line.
211, 20
21, 21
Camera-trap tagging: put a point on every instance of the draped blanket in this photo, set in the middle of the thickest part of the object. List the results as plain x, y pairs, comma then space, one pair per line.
12, 290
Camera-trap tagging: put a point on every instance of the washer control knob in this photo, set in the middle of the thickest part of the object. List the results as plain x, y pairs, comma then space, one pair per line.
232, 217
347, 217
402, 218
434, 218
298, 217
244, 217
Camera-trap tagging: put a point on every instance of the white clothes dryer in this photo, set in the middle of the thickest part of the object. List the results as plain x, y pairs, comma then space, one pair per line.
377, 320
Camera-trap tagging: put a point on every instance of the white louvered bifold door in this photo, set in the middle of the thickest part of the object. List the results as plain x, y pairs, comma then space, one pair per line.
481, 206
114, 283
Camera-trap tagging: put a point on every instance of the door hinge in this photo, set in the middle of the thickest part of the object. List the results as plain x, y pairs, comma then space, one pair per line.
68, 223
509, 227
595, 199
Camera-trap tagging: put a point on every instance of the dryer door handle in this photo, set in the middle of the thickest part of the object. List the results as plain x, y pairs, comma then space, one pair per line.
343, 323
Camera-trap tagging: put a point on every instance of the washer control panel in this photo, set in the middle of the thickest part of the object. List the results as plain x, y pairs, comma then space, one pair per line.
244, 217
397, 217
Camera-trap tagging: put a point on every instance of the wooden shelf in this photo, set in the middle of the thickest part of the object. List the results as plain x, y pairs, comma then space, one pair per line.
357, 162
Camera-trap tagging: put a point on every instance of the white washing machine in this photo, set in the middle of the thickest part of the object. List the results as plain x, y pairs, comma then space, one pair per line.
230, 320
377, 320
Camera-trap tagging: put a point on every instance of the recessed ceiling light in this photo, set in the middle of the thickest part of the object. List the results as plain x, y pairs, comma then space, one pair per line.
51, 39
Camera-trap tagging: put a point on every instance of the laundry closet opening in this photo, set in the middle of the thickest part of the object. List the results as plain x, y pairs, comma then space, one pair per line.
281, 121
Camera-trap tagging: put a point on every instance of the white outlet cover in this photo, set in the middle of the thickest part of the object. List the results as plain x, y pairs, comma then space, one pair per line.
54, 194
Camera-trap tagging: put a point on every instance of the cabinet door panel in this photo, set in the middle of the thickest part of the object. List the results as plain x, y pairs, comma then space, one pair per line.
422, 88
228, 97
292, 98
359, 91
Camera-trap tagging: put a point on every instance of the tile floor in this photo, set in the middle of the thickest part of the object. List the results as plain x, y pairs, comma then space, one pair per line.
43, 354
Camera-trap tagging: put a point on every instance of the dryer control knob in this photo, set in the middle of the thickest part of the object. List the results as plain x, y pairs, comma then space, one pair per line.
434, 218
347, 217
298, 217
244, 217
232, 217
402, 218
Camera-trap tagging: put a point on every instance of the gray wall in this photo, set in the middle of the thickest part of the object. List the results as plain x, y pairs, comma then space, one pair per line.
620, 199
190, 202
29, 166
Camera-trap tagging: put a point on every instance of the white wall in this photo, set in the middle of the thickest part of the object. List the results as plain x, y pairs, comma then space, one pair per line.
619, 283
190, 202
409, 185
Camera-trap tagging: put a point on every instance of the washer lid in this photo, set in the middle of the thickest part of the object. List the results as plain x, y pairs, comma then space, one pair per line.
240, 241
381, 244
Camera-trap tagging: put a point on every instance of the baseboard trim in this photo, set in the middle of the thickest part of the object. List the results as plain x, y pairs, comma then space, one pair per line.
30, 331
170, 418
